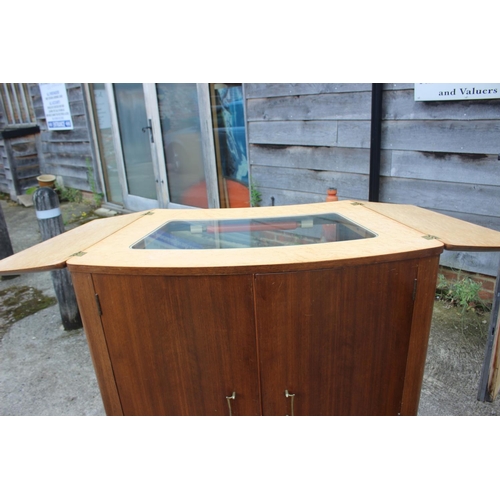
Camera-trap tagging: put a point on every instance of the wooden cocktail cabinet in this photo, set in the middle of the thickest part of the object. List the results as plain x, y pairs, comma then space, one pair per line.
321, 309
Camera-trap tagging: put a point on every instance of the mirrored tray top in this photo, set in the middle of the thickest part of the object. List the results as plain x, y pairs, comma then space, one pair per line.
253, 233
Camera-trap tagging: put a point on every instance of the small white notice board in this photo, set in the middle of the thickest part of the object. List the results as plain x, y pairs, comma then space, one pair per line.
456, 91
56, 106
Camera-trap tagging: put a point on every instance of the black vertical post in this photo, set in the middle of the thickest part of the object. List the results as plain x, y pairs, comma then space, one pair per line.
51, 224
5, 243
375, 142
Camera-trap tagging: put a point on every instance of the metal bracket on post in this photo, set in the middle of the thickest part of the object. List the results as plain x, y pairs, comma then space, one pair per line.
51, 224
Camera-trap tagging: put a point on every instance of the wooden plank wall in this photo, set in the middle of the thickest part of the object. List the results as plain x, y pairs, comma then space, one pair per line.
22, 164
301, 140
439, 155
66, 153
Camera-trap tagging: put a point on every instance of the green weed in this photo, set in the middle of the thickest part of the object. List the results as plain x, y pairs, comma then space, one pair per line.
463, 293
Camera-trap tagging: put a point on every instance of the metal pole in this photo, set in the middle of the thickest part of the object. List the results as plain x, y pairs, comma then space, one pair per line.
51, 224
375, 142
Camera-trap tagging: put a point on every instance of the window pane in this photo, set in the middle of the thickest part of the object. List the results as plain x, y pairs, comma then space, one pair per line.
132, 118
181, 132
105, 139
230, 143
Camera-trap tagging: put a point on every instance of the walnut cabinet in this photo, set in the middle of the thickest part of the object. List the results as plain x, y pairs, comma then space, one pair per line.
320, 309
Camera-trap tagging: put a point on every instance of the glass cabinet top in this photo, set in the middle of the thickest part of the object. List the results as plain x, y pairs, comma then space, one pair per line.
253, 233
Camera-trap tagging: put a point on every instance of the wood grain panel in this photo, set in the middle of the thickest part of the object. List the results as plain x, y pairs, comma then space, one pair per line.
494, 378
253, 90
282, 197
419, 336
338, 106
455, 234
352, 186
447, 167
303, 133
450, 136
92, 326
475, 198
355, 161
115, 255
354, 134
344, 350
53, 253
180, 346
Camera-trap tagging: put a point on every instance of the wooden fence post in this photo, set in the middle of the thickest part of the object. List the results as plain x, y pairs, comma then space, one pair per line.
5, 243
489, 384
51, 224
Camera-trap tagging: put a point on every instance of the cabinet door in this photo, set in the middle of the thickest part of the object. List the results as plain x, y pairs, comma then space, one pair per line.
337, 339
181, 345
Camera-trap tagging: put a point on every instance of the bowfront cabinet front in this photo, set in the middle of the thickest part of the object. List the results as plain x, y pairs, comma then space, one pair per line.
321, 342
320, 309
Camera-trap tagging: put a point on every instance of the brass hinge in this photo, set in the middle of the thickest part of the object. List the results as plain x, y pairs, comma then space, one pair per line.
78, 254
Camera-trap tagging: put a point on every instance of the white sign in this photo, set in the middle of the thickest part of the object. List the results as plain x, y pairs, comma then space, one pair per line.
56, 106
456, 91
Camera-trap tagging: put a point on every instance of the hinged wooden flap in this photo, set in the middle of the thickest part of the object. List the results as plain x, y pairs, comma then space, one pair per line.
53, 253
455, 234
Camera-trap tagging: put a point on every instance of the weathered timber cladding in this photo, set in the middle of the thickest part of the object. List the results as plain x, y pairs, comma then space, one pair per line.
317, 158
313, 181
297, 138
254, 90
443, 156
67, 153
22, 164
449, 136
341, 106
447, 167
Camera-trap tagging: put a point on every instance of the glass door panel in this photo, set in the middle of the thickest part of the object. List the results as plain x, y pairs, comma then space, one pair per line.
230, 144
182, 142
102, 116
135, 140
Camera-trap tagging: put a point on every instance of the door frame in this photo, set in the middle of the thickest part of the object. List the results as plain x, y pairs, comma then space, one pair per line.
135, 203
207, 143
131, 202
163, 199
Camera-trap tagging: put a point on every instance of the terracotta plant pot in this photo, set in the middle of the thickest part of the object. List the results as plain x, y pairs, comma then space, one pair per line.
46, 180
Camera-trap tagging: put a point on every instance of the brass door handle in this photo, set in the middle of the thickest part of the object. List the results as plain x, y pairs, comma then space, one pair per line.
228, 398
291, 396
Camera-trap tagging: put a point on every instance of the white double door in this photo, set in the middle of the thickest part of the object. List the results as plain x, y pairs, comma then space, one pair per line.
164, 144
